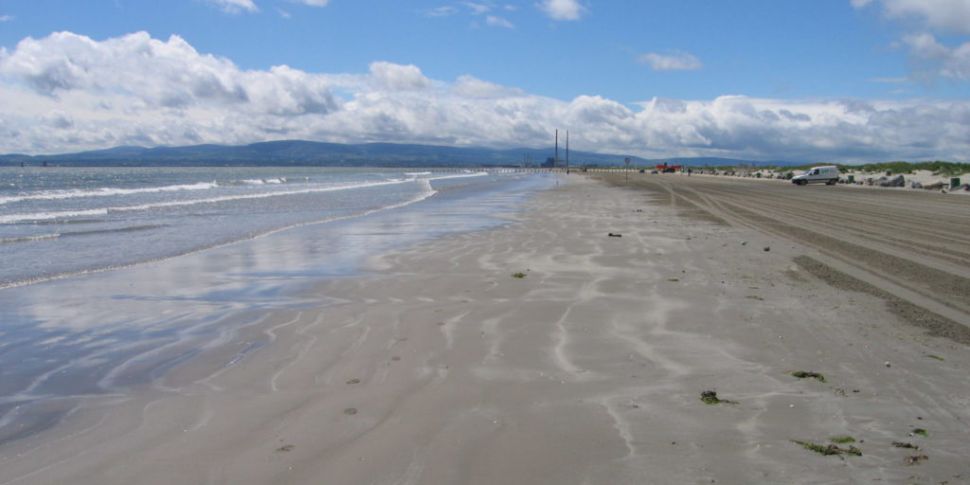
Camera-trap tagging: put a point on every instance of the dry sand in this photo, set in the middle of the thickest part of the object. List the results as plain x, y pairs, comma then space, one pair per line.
441, 367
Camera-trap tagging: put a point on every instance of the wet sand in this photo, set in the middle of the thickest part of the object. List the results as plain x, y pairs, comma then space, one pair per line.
440, 366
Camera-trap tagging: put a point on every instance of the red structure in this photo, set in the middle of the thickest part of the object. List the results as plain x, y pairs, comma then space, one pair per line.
664, 168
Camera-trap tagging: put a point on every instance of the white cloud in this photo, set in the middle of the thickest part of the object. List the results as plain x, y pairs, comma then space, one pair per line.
68, 92
947, 15
442, 11
315, 3
562, 9
675, 61
930, 58
235, 6
477, 8
6, 18
398, 77
934, 59
496, 21
471, 87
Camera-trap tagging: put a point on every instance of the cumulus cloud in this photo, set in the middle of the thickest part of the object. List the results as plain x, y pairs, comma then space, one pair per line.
949, 15
562, 9
675, 61
932, 59
68, 92
471, 87
397, 77
235, 6
935, 59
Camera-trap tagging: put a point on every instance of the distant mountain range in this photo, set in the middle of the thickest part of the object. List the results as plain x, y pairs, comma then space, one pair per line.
309, 153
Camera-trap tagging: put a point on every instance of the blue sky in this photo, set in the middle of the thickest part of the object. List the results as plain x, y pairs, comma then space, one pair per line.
654, 78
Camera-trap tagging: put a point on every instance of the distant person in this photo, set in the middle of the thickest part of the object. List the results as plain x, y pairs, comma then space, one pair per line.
689, 170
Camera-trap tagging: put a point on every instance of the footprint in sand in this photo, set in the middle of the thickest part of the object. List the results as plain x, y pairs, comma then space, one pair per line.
354, 381
350, 411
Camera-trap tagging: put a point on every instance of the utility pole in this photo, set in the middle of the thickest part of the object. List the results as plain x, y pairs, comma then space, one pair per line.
555, 163
567, 152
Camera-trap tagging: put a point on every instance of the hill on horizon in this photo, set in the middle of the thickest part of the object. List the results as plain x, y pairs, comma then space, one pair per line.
310, 153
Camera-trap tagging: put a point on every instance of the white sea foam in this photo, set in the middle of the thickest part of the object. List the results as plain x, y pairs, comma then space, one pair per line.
466, 174
41, 216
46, 216
38, 237
103, 192
427, 192
270, 181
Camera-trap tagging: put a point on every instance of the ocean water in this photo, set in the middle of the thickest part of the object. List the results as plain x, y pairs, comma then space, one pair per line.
63, 221
110, 278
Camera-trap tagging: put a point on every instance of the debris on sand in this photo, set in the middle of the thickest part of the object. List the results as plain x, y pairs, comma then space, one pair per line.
285, 448
916, 459
354, 381
518, 275
936, 357
350, 411
767, 248
805, 375
902, 444
842, 439
920, 431
710, 397
897, 181
615, 234
828, 450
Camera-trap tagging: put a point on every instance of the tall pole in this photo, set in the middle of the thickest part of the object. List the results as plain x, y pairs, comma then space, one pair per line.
555, 164
567, 152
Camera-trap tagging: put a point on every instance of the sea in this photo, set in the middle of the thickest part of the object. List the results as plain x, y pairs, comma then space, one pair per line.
111, 277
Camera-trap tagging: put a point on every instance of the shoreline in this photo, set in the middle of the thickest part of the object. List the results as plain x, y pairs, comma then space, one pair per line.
440, 366
115, 331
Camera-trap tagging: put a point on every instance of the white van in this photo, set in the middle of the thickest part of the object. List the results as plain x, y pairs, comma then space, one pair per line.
825, 173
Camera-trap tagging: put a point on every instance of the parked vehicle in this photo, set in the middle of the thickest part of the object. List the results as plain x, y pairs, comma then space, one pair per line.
664, 168
825, 173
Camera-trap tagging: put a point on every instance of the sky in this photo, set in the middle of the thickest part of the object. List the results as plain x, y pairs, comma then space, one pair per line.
794, 80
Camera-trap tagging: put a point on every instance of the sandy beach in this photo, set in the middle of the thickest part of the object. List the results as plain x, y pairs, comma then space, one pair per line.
548, 351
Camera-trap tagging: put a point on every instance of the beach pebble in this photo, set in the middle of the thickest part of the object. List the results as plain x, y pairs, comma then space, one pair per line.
887, 364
